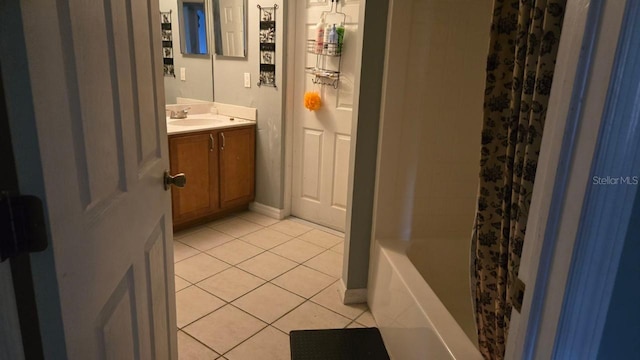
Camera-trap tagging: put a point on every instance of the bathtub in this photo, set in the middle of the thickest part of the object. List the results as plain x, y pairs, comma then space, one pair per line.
413, 321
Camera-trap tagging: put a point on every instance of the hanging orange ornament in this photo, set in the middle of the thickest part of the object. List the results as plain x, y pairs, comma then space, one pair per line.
312, 100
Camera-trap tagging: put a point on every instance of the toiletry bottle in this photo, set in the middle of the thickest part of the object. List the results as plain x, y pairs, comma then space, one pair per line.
319, 37
340, 31
325, 41
332, 49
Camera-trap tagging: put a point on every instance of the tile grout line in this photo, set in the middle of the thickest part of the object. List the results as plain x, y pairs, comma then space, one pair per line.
227, 304
250, 336
301, 265
203, 344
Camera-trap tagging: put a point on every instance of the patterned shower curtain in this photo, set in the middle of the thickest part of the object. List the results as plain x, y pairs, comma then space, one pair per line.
524, 43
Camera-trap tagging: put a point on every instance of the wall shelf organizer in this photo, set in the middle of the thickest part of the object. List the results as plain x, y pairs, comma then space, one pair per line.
328, 56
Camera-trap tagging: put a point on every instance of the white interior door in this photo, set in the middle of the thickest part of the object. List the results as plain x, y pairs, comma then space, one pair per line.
322, 138
232, 27
96, 79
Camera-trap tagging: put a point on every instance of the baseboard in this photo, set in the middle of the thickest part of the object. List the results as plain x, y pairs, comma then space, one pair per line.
267, 210
352, 296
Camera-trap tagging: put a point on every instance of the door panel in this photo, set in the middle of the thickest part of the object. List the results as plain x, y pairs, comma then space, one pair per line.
156, 271
96, 78
340, 171
321, 139
237, 166
197, 157
118, 323
312, 164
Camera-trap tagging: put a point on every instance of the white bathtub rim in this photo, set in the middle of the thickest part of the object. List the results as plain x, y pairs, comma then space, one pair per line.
442, 322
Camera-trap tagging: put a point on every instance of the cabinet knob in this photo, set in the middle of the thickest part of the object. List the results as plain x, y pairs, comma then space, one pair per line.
179, 180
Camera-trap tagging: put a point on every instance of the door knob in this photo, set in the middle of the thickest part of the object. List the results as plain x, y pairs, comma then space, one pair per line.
178, 180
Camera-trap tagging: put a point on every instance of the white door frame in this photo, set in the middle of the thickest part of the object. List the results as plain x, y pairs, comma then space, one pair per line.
607, 212
14, 273
290, 44
562, 178
15, 76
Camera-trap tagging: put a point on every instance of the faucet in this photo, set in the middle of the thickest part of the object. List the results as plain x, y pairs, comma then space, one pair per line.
180, 114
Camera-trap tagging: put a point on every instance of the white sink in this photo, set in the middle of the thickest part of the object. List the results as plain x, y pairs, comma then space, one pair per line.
202, 122
195, 122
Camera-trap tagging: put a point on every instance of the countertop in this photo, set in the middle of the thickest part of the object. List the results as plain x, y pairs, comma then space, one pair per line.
203, 122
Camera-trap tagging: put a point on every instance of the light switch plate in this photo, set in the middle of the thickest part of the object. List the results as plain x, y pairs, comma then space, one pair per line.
183, 74
247, 80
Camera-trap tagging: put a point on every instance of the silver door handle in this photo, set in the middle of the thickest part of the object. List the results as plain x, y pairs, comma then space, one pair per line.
213, 142
223, 140
179, 180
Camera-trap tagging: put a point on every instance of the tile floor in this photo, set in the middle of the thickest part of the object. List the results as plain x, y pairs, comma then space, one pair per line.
244, 282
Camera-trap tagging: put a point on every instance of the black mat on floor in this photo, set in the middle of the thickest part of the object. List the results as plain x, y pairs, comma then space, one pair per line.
337, 344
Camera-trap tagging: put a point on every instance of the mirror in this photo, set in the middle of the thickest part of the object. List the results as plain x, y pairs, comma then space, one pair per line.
229, 24
193, 27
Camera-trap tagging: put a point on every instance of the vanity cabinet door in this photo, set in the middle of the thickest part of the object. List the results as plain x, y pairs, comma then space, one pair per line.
195, 155
237, 166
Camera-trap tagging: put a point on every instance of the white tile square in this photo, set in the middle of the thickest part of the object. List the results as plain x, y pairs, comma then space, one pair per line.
181, 283
258, 218
268, 302
310, 316
267, 265
291, 228
266, 238
182, 251
190, 349
321, 238
366, 319
205, 239
303, 281
235, 251
297, 250
238, 227
328, 262
199, 267
331, 299
225, 328
230, 284
268, 344
193, 303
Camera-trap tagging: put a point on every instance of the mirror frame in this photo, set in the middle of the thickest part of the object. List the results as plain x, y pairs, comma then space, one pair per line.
208, 24
216, 25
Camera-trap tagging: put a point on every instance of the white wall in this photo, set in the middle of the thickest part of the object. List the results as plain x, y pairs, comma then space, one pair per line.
198, 84
229, 88
430, 143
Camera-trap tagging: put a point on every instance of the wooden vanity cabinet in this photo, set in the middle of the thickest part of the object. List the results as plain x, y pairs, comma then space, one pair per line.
220, 170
